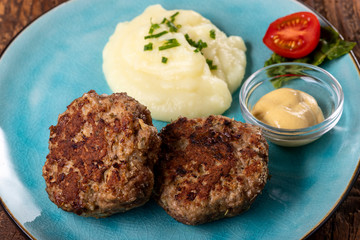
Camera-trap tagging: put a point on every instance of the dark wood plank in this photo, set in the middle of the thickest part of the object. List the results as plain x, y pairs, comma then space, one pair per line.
344, 15
8, 230
16, 14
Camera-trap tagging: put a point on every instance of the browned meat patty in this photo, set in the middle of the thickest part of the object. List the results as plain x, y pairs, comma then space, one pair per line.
209, 168
101, 155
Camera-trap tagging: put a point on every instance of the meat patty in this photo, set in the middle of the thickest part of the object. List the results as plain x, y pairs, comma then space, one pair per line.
209, 168
101, 155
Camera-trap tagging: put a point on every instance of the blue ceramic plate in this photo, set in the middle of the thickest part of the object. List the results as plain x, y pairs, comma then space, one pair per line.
59, 57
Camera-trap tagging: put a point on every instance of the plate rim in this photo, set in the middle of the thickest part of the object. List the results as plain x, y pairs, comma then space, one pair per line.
356, 173
326, 217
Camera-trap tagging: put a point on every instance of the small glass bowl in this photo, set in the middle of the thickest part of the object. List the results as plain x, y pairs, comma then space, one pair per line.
300, 76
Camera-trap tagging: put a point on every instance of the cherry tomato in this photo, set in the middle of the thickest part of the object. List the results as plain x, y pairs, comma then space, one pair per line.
293, 36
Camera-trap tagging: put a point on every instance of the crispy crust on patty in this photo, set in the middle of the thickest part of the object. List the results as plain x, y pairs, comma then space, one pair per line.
209, 168
101, 155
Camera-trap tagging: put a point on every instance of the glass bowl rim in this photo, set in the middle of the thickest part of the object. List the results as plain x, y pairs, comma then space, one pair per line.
312, 130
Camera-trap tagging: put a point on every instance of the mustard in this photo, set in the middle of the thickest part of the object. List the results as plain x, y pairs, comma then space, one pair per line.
288, 108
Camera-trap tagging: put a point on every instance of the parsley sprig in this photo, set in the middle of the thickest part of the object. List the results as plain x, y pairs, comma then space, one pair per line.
330, 46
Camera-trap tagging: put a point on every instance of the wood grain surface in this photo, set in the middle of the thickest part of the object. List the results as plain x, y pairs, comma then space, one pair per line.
344, 15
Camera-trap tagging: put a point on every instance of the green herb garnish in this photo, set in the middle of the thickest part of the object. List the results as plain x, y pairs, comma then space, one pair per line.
171, 23
189, 40
170, 43
156, 35
330, 47
197, 45
212, 34
210, 63
153, 27
171, 26
164, 60
200, 45
148, 47
172, 17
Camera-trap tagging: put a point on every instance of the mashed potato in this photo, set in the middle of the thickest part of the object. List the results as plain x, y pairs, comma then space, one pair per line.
188, 78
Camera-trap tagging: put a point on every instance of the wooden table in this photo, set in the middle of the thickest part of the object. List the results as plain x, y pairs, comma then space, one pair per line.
344, 15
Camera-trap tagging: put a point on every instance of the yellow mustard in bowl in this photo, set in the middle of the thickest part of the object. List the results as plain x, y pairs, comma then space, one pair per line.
288, 108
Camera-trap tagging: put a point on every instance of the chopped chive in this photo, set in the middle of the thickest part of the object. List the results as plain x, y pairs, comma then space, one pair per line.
170, 43
164, 60
198, 45
201, 44
212, 33
148, 47
156, 35
171, 26
153, 27
189, 40
210, 63
169, 23
172, 17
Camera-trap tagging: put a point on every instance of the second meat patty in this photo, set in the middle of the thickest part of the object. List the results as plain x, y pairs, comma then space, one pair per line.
210, 168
